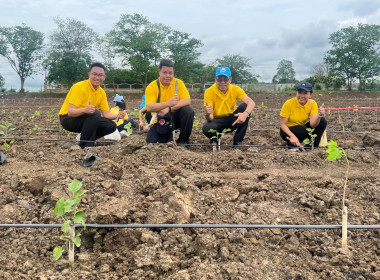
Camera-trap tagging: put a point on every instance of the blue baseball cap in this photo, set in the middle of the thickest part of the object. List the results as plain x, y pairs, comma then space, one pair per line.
306, 86
118, 98
142, 105
223, 71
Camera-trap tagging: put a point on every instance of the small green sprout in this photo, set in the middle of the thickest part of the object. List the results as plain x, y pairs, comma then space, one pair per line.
219, 135
67, 210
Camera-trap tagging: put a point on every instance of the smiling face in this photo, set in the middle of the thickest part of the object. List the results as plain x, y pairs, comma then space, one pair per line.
303, 96
223, 82
166, 75
96, 76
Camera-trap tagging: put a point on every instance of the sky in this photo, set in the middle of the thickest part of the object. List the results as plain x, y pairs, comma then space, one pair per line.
264, 31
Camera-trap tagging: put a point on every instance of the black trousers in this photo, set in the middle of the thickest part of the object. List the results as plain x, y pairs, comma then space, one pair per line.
91, 126
219, 124
301, 132
183, 119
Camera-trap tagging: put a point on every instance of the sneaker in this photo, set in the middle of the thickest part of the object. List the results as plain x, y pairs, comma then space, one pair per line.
295, 149
237, 144
78, 137
124, 132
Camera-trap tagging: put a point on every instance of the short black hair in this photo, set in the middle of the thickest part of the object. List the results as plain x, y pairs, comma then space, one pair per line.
166, 62
97, 64
121, 105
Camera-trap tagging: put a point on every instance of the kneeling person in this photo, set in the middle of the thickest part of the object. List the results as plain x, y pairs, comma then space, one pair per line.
221, 109
300, 113
165, 95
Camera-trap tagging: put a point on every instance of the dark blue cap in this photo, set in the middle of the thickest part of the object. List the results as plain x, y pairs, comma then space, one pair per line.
306, 86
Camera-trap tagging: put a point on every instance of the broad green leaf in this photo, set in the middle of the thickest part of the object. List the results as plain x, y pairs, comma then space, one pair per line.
66, 226
226, 130
75, 186
306, 141
69, 203
334, 154
59, 209
212, 130
64, 238
76, 240
79, 217
57, 252
80, 193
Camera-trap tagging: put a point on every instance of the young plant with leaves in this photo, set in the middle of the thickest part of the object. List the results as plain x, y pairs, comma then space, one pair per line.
4, 130
312, 136
128, 128
219, 135
67, 209
335, 152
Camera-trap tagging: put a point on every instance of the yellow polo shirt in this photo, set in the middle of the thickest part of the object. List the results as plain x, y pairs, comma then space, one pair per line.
296, 113
116, 110
83, 92
224, 104
151, 92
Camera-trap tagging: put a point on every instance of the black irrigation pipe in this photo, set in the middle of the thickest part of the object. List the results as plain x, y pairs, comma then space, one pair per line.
190, 144
192, 226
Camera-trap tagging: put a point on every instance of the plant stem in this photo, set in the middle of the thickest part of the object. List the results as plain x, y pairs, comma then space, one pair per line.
71, 244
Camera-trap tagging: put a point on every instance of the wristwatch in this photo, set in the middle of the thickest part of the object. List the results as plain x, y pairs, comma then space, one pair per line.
248, 112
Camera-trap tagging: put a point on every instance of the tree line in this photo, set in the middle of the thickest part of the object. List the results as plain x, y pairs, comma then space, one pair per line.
137, 45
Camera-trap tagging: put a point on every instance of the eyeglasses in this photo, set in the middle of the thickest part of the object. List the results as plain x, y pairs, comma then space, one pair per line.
98, 75
222, 79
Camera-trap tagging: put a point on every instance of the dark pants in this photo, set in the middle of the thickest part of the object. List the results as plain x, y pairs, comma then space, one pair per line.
91, 126
183, 119
219, 124
301, 132
122, 126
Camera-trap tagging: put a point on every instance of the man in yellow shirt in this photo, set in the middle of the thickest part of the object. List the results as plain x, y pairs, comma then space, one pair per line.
175, 98
85, 109
298, 114
221, 109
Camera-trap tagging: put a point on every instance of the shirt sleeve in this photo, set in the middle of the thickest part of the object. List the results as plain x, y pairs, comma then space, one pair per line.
151, 93
182, 90
285, 110
76, 96
240, 93
314, 108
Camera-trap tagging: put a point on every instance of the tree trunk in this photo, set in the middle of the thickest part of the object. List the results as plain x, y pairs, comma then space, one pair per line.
22, 90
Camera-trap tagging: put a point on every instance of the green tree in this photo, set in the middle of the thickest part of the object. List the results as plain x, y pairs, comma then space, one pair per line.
2, 82
21, 46
183, 52
69, 55
139, 42
239, 66
355, 53
285, 72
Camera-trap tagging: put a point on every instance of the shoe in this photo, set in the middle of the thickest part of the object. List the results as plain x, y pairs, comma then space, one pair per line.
2, 158
115, 136
236, 144
78, 137
183, 144
124, 132
295, 149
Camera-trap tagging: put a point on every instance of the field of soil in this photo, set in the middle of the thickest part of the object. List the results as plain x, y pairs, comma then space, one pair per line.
133, 183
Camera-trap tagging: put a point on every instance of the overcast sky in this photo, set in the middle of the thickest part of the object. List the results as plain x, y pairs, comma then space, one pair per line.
265, 31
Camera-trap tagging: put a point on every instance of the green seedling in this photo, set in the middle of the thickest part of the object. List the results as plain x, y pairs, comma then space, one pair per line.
6, 128
134, 113
128, 128
335, 152
67, 209
54, 122
36, 113
35, 128
8, 144
312, 136
219, 135
17, 111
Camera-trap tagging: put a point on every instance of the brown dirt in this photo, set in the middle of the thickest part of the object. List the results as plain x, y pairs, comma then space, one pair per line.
156, 184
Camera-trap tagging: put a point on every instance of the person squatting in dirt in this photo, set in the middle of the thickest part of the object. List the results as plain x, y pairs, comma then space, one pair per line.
221, 111
119, 105
86, 111
298, 114
168, 99
144, 114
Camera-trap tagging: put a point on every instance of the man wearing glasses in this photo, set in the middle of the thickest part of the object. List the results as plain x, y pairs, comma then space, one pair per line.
85, 109
221, 109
